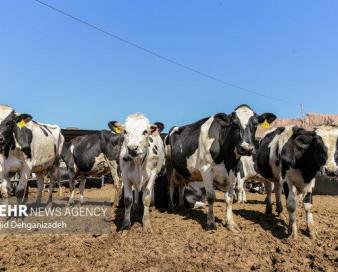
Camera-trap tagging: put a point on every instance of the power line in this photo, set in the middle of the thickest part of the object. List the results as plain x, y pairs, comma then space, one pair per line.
153, 53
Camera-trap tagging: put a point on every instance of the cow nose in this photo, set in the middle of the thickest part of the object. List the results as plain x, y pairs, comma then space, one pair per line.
132, 150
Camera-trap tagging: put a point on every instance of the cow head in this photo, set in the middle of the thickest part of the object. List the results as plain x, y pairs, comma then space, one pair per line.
136, 131
329, 136
10, 124
244, 122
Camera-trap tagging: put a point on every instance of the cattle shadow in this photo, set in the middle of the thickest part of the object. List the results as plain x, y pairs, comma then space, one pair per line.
271, 223
254, 201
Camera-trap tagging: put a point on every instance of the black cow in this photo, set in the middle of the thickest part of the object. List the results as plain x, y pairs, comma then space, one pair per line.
94, 155
291, 157
209, 151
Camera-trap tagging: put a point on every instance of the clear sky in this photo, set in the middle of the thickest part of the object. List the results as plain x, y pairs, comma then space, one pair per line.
63, 72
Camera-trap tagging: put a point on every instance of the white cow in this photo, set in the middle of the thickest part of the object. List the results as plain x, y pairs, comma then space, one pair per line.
141, 160
28, 147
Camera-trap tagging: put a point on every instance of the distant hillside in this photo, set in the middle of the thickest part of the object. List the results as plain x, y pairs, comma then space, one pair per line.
310, 121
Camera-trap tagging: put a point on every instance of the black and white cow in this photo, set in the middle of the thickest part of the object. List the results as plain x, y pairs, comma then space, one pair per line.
209, 150
94, 155
141, 160
291, 157
28, 147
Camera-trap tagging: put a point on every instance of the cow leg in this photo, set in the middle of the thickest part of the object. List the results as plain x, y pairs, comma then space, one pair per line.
5, 191
50, 191
136, 205
40, 185
116, 186
22, 186
181, 189
171, 192
228, 196
278, 193
243, 194
54, 177
146, 197
81, 189
208, 179
239, 185
268, 189
72, 191
292, 208
307, 200
128, 201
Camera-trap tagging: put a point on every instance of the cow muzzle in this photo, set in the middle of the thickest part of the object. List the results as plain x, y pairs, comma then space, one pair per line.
133, 150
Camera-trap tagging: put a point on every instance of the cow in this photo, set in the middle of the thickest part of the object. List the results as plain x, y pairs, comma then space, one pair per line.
94, 155
291, 157
141, 160
27, 147
209, 150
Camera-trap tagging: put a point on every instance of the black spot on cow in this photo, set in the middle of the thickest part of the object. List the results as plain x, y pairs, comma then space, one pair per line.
88, 147
184, 142
308, 198
154, 150
150, 139
304, 151
7, 141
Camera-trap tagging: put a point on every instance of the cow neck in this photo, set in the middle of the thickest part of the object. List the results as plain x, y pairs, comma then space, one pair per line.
10, 145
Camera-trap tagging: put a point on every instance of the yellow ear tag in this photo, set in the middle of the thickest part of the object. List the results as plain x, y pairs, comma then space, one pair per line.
117, 130
265, 124
21, 124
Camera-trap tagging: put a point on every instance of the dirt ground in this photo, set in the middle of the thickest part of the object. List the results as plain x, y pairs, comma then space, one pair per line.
180, 243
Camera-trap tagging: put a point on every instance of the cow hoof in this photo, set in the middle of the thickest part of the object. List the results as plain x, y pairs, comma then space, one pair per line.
233, 228
311, 232
124, 232
71, 202
268, 211
211, 226
279, 208
148, 228
292, 234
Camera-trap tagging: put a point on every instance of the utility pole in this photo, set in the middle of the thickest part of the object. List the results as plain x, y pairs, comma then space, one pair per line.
302, 114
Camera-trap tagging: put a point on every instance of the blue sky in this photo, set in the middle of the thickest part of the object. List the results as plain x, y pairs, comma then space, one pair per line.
65, 73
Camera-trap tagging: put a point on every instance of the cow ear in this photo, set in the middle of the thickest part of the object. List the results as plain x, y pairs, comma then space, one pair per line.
160, 126
23, 119
223, 119
266, 117
302, 142
156, 128
116, 127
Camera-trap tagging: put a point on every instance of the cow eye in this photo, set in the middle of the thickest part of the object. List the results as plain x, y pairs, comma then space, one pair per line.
145, 132
255, 122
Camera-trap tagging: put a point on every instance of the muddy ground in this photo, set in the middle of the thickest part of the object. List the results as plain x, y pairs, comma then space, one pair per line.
180, 243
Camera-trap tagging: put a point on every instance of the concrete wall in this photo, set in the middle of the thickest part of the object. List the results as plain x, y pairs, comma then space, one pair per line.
326, 186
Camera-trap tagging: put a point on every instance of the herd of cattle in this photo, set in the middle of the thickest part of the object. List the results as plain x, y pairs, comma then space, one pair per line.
219, 151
